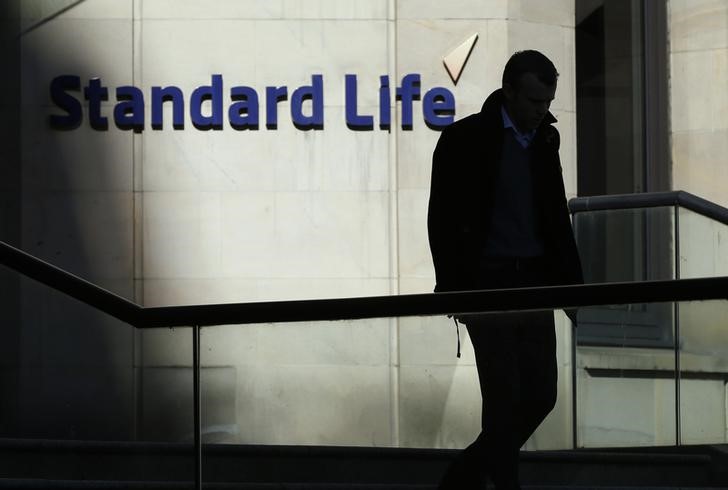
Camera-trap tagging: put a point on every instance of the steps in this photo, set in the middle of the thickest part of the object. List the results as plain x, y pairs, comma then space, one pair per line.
130, 485
72, 465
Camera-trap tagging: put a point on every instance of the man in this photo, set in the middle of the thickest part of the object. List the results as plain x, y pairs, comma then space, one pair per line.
498, 219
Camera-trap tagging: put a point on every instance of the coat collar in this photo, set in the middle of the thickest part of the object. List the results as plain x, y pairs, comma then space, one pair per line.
491, 114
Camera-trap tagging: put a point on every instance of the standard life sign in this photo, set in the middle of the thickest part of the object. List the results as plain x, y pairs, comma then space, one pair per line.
242, 105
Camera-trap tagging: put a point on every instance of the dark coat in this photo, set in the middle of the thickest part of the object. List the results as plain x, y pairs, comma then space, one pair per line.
465, 167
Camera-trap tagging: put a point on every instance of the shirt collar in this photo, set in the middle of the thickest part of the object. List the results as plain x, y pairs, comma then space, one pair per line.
524, 138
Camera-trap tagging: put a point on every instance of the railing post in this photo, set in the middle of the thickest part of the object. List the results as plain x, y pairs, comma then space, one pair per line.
574, 373
197, 405
676, 343
574, 392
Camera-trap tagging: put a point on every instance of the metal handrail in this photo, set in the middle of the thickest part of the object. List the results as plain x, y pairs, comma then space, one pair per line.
649, 200
553, 297
532, 298
70, 284
673, 200
518, 299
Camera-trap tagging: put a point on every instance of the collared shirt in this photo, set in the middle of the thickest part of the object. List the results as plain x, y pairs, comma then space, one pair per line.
525, 139
513, 229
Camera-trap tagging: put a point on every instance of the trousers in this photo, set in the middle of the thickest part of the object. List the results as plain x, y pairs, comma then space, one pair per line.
515, 354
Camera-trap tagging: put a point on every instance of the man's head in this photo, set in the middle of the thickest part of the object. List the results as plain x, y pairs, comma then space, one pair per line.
529, 86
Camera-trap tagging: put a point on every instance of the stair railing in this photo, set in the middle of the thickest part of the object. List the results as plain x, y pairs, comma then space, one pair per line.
446, 303
673, 200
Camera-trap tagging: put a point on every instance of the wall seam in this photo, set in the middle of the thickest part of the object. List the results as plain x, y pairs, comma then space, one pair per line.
393, 232
137, 229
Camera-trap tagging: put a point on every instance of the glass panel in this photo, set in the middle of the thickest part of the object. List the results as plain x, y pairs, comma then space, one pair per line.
703, 348
321, 383
86, 396
626, 245
703, 246
397, 383
704, 371
626, 394
385, 382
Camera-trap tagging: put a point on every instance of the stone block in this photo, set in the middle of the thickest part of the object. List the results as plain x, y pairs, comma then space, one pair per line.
464, 9
692, 91
439, 406
697, 25
182, 234
415, 259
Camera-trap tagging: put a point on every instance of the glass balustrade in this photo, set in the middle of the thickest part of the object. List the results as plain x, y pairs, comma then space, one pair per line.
625, 389
631, 375
396, 382
703, 245
703, 371
87, 396
627, 245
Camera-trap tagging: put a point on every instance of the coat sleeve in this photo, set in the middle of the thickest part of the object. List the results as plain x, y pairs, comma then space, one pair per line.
441, 215
571, 272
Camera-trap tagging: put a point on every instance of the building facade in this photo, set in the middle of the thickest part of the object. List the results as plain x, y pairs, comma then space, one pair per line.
188, 152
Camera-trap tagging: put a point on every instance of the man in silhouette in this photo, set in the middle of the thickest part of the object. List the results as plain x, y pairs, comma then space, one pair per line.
498, 219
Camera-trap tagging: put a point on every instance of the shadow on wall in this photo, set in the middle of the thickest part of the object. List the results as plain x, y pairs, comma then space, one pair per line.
9, 208
68, 370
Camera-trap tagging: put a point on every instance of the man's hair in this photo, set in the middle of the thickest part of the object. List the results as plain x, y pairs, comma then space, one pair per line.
529, 61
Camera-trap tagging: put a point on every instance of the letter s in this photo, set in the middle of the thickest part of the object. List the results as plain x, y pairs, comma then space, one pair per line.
65, 101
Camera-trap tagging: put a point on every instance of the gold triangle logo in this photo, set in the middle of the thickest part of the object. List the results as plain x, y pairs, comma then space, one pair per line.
455, 61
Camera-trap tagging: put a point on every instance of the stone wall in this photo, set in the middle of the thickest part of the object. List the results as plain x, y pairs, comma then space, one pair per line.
698, 97
180, 216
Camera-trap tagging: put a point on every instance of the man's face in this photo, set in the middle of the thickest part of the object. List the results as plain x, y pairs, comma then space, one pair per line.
528, 104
